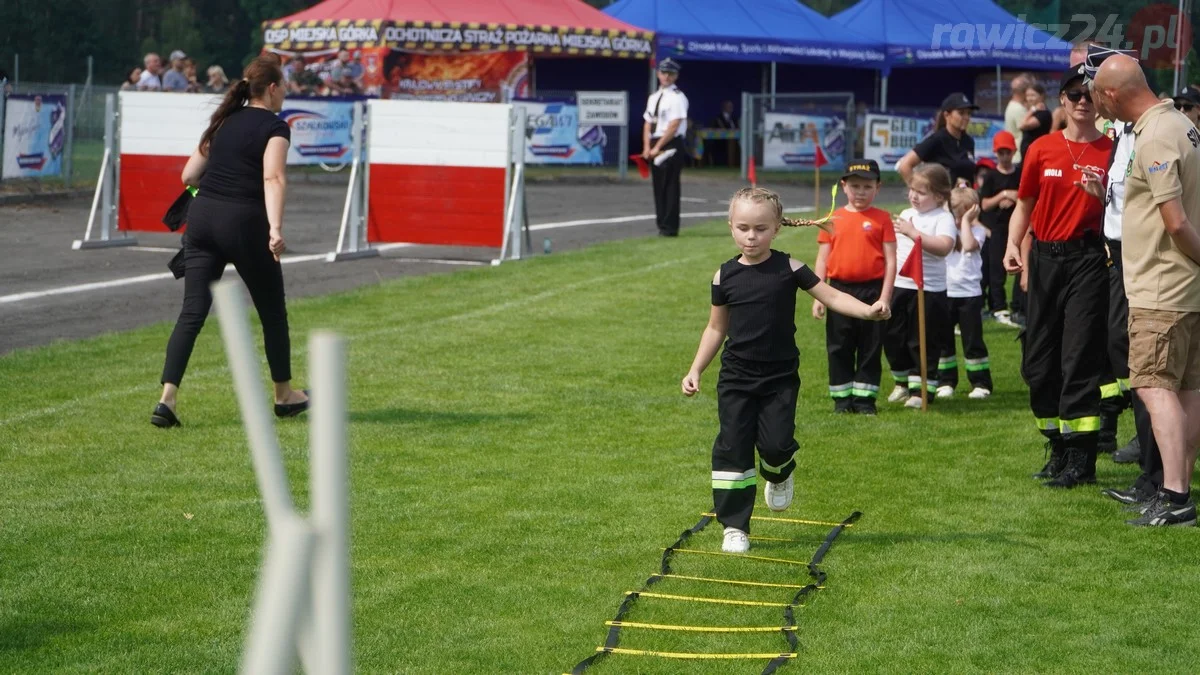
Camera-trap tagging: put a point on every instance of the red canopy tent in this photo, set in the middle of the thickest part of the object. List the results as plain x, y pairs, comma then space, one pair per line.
444, 49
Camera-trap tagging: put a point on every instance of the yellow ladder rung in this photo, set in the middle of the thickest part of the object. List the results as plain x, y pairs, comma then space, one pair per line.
796, 521
717, 601
741, 555
701, 629
786, 541
736, 582
691, 655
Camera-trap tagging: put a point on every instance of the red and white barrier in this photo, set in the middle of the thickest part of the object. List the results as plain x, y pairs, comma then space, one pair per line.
442, 173
159, 131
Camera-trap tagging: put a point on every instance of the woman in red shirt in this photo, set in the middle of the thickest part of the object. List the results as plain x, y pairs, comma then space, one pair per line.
1064, 358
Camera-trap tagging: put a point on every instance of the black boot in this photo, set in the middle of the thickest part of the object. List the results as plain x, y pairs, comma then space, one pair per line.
1057, 461
1081, 465
1131, 453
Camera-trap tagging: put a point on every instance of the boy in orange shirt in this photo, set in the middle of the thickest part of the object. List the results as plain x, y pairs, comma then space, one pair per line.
857, 255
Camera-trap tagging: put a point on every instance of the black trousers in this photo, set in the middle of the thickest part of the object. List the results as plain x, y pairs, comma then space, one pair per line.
667, 190
218, 233
1065, 357
756, 404
966, 314
854, 347
901, 341
1118, 354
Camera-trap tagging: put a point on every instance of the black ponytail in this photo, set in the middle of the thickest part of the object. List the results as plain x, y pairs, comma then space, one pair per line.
257, 79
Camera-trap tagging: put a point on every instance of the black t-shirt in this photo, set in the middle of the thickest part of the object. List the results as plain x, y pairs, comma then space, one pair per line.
235, 157
762, 306
994, 183
1044, 118
956, 154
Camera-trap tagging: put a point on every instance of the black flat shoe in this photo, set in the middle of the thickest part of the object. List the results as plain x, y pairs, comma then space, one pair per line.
163, 418
291, 409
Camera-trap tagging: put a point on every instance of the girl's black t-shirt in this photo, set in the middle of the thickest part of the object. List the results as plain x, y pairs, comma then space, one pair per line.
956, 154
235, 157
1044, 119
762, 306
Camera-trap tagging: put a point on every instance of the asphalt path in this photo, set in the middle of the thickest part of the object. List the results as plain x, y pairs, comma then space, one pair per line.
49, 292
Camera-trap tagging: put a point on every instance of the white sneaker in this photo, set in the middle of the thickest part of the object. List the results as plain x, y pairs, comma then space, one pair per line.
736, 541
979, 393
1004, 318
913, 402
779, 495
898, 394
945, 391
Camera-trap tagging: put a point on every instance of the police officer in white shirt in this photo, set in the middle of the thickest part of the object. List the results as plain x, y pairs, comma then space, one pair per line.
662, 143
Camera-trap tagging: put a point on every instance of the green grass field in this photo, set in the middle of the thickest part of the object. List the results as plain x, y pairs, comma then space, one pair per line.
520, 454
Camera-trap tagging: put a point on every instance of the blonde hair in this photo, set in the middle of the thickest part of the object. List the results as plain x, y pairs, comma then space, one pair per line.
936, 178
961, 201
757, 195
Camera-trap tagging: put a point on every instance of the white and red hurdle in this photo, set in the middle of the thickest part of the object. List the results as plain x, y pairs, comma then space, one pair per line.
421, 173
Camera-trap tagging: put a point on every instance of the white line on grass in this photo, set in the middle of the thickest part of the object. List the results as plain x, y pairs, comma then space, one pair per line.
143, 278
201, 374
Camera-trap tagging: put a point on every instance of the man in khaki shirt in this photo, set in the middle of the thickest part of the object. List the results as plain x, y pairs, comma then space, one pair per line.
1161, 255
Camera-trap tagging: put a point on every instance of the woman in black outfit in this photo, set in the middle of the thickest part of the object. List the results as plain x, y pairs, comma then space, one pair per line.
237, 217
1039, 120
949, 144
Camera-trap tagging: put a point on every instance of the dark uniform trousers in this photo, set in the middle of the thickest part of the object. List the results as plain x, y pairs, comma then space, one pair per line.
1065, 360
967, 314
855, 347
902, 345
756, 405
1118, 353
667, 190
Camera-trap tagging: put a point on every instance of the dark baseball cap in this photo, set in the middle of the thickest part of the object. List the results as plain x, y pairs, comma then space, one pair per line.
958, 101
863, 168
1078, 72
1187, 95
669, 65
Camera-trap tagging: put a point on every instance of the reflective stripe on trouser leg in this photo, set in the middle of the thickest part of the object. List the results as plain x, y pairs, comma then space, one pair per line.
1082, 425
1112, 389
734, 480
975, 365
1048, 426
864, 390
947, 362
931, 383
841, 390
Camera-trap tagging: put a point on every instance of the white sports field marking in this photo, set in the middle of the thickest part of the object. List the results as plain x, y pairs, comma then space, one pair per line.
440, 261
287, 260
198, 376
153, 249
694, 200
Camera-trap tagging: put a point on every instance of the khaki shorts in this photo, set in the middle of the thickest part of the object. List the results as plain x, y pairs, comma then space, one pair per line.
1164, 349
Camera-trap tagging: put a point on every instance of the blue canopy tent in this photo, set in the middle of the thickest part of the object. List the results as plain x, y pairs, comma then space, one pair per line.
947, 33
763, 31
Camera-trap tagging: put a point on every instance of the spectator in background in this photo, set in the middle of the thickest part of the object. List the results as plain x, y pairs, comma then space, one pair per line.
189, 71
175, 79
1038, 118
1015, 111
949, 145
217, 81
151, 79
1188, 103
5, 85
131, 81
725, 151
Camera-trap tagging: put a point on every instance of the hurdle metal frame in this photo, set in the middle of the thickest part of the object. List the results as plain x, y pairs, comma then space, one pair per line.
107, 194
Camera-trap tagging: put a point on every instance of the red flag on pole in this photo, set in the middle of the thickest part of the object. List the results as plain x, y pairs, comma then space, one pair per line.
642, 167
820, 160
914, 266
750, 173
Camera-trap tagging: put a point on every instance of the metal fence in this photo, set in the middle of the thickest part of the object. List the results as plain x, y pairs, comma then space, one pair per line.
785, 131
84, 127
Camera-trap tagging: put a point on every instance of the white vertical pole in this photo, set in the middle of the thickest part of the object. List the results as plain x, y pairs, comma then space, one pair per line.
883, 86
773, 74
329, 479
109, 177
69, 145
283, 591
264, 447
355, 178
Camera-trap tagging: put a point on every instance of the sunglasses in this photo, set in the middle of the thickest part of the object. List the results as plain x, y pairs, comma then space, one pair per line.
1184, 107
1076, 95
